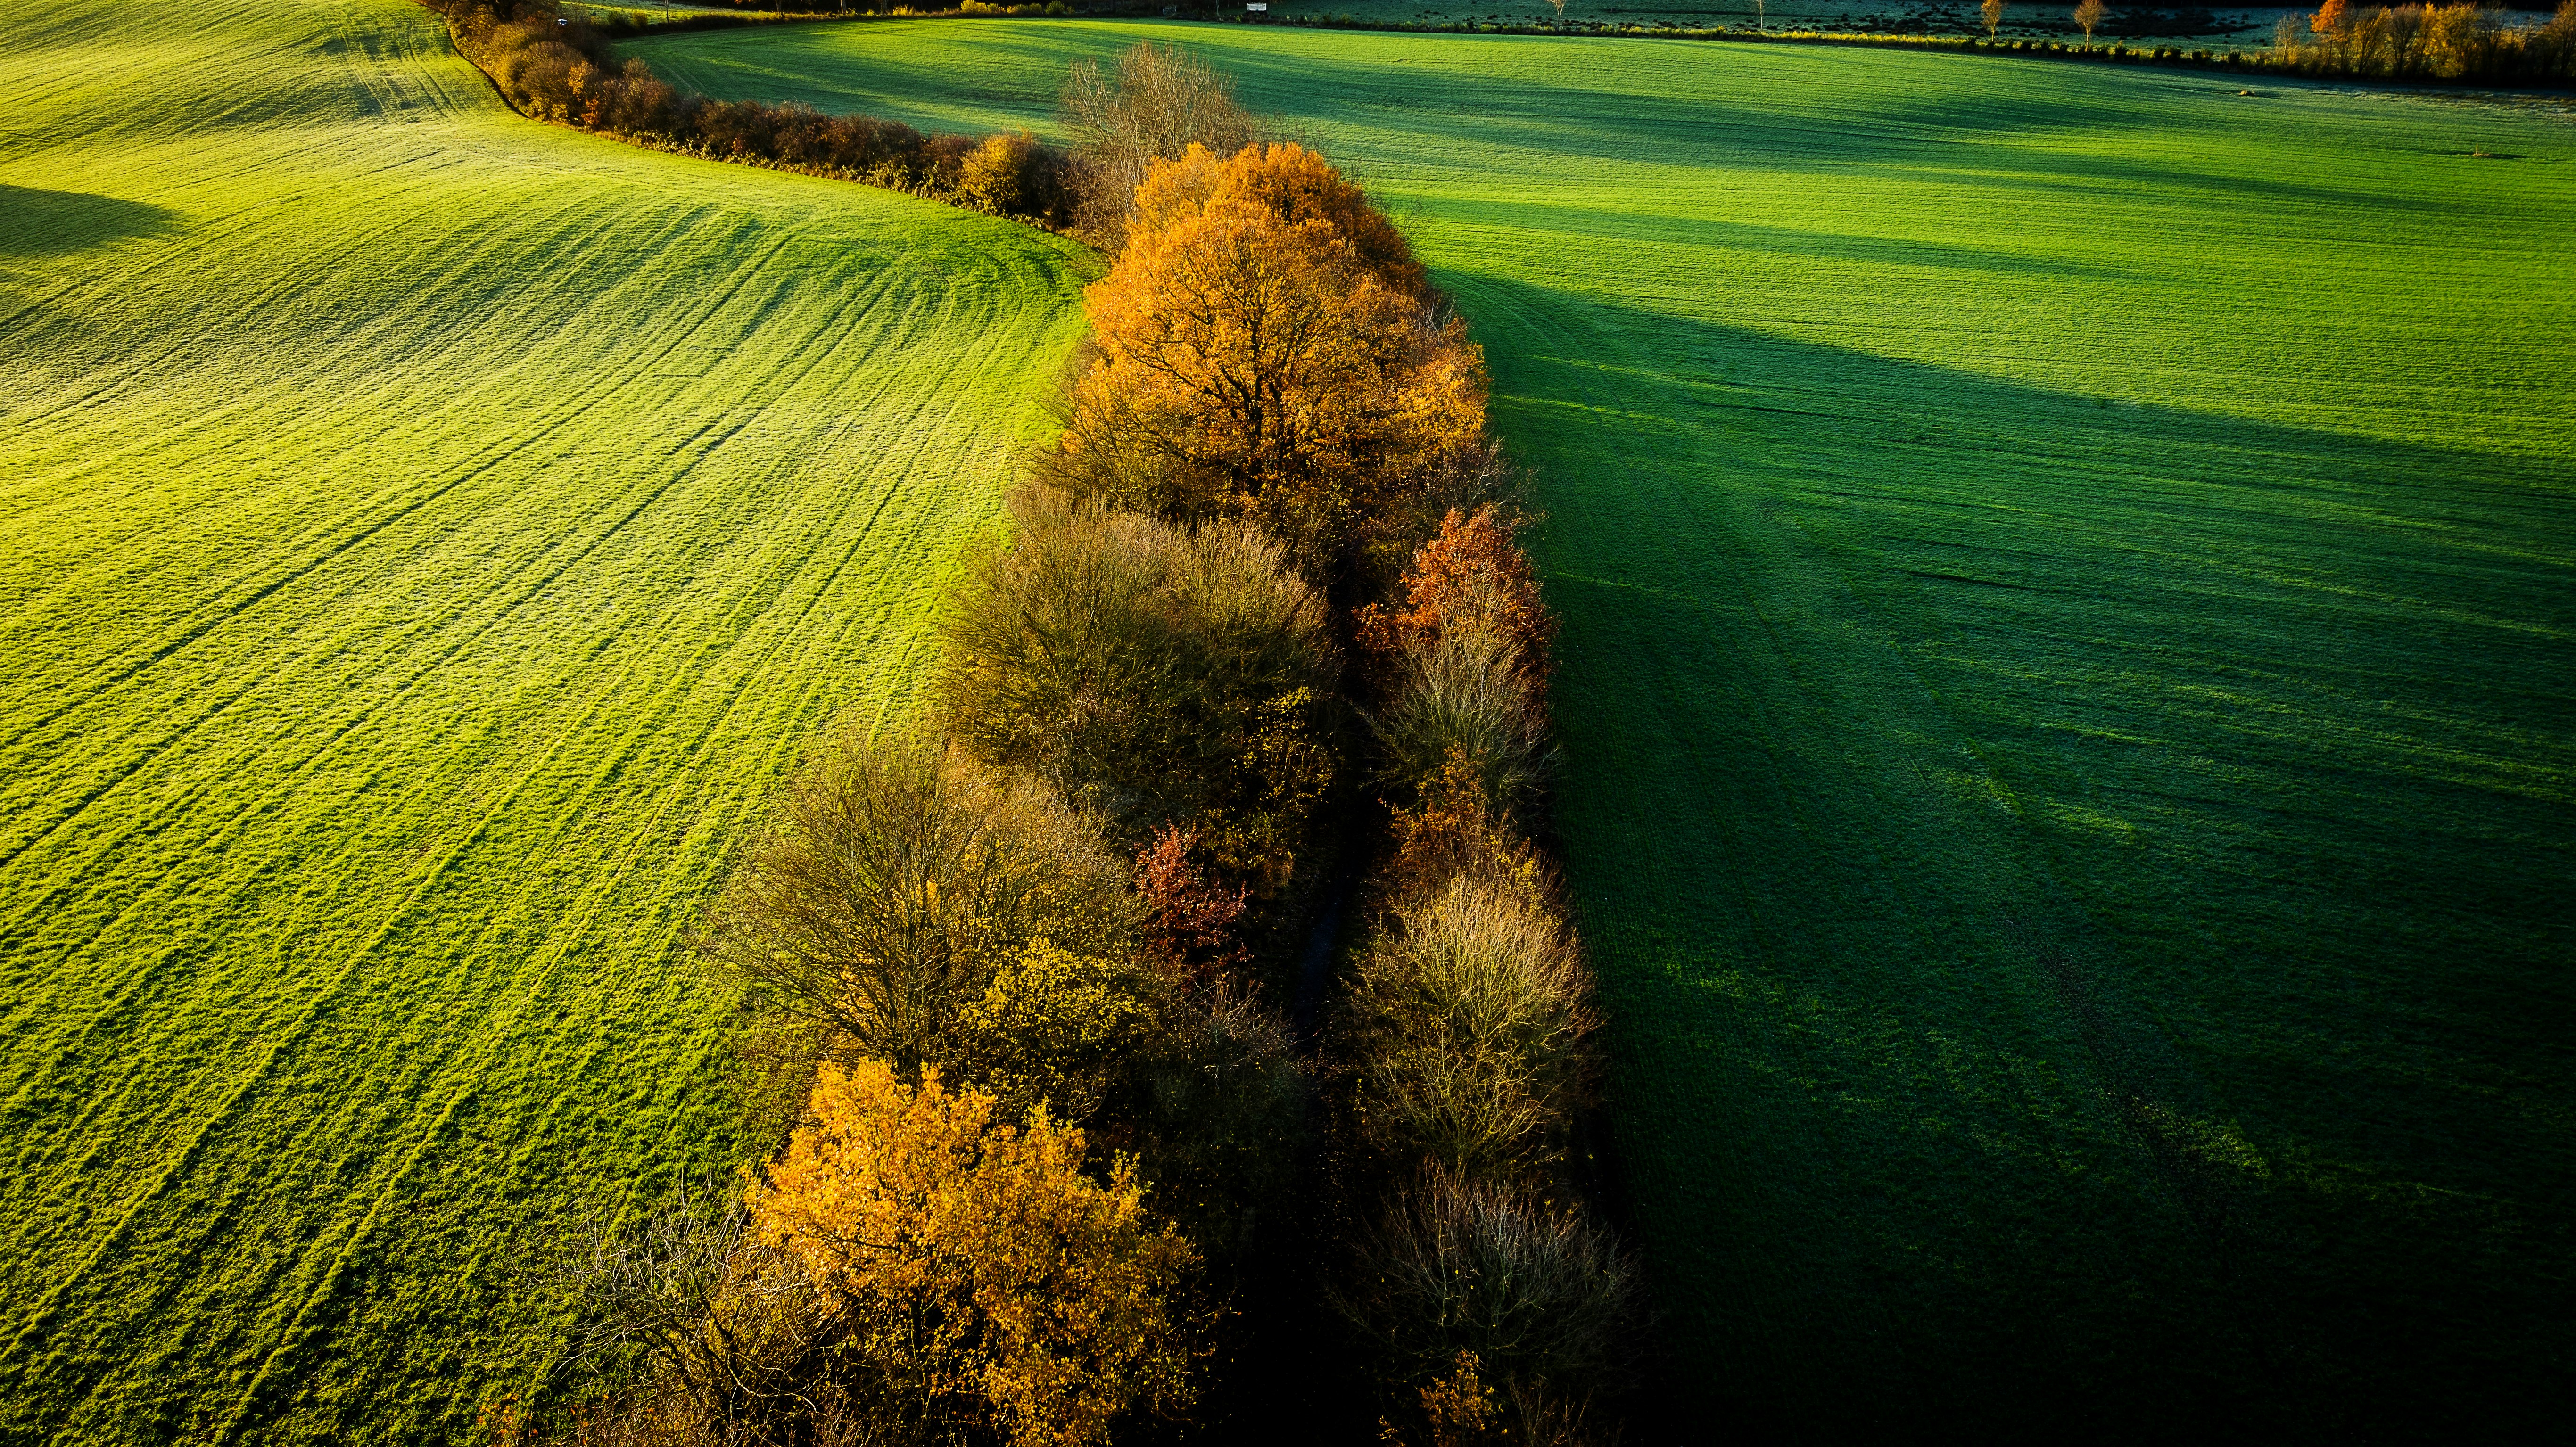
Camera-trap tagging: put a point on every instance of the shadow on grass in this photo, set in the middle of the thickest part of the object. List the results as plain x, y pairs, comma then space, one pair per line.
36, 223
2128, 999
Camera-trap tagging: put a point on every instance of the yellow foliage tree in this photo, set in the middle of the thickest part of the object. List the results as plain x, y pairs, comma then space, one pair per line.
973, 1260
1266, 348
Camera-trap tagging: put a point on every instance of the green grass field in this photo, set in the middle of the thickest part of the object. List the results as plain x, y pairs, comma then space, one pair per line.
2069, 701
428, 535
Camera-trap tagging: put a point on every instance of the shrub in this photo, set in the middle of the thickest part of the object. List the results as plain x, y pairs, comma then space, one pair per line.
894, 886
975, 1262
1190, 930
1462, 698
1160, 675
1544, 1303
1013, 175
1056, 1028
1467, 1023
1162, 101
1451, 829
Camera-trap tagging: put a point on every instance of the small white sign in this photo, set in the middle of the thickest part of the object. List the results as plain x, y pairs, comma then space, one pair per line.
1258, 7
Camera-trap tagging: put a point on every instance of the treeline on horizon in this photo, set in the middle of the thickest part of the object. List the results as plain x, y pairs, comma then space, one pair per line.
559, 67
1189, 981
2467, 42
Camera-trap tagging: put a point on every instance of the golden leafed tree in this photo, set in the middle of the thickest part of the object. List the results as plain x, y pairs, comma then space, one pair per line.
2088, 15
1266, 348
975, 1262
897, 884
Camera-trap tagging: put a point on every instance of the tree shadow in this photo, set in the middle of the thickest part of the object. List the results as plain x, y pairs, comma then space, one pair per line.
2042, 855
37, 223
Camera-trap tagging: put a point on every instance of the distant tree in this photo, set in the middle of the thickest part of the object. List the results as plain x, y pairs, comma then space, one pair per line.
2329, 18
2090, 14
1994, 13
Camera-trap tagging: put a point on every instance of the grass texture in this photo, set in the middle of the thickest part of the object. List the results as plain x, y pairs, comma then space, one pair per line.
2068, 699
429, 534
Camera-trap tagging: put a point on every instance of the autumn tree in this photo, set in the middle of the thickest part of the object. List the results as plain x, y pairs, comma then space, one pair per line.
1159, 674
2329, 18
970, 1261
1471, 574
1265, 350
896, 885
2088, 15
1993, 11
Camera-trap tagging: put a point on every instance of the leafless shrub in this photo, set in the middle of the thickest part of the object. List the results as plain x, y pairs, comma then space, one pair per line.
1467, 1022
1160, 101
1465, 694
1545, 1302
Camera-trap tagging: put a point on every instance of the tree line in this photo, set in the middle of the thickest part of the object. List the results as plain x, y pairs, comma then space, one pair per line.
559, 67
1043, 1134
2436, 42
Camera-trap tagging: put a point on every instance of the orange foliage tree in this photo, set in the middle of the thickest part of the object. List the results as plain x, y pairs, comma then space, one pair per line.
1267, 347
1472, 573
976, 1261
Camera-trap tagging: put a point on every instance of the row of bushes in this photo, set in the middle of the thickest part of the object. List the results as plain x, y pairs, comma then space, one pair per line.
1464, 1041
558, 67
1268, 566
1268, 360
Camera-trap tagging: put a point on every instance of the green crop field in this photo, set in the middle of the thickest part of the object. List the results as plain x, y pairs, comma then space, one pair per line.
2069, 689
428, 535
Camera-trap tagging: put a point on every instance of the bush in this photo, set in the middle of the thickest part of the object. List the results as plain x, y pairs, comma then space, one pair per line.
895, 886
1467, 1022
1544, 1303
1470, 574
1160, 675
1013, 175
1190, 930
1462, 698
1162, 101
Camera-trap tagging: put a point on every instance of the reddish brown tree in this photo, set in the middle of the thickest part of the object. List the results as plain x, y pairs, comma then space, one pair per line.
1190, 931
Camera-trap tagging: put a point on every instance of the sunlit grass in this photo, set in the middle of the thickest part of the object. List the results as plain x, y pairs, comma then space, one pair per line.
429, 534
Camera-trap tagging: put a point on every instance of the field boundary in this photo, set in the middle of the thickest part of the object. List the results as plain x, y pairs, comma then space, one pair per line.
2251, 61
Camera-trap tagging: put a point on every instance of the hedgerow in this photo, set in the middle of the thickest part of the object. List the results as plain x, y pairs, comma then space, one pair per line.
1029, 950
559, 67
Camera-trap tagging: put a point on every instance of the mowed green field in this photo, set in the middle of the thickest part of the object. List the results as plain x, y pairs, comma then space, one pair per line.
428, 535
2069, 691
